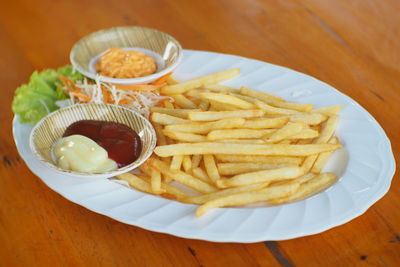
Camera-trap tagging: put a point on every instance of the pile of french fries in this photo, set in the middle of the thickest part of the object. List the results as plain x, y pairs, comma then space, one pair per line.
236, 146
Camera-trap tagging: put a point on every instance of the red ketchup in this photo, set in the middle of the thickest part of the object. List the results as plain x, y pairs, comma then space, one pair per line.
121, 142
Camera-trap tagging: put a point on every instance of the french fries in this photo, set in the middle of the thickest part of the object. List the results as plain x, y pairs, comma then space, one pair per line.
265, 123
286, 131
211, 168
223, 192
165, 119
135, 182
328, 111
273, 192
227, 99
236, 146
309, 187
182, 177
243, 149
259, 159
221, 88
264, 176
245, 167
309, 118
185, 137
156, 181
183, 102
199, 82
275, 100
181, 113
237, 134
204, 128
176, 162
219, 115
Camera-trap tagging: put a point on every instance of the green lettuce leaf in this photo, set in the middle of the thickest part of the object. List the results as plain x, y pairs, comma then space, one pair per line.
35, 100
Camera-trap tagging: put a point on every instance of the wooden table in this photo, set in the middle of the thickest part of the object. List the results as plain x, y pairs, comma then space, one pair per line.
352, 45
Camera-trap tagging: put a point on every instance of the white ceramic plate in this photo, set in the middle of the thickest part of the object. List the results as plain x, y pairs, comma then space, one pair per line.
365, 166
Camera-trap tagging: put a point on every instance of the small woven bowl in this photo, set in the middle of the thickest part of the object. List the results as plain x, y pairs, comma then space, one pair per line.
162, 47
52, 127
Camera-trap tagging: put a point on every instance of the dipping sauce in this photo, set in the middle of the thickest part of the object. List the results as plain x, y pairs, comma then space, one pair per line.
121, 142
82, 154
120, 63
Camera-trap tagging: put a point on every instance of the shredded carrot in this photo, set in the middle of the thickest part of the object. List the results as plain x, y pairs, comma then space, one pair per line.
69, 84
105, 94
125, 101
80, 95
162, 79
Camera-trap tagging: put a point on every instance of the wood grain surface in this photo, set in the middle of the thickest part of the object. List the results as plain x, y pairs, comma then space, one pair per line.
354, 45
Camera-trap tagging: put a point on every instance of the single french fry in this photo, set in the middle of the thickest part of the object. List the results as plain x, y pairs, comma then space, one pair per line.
308, 188
195, 93
206, 127
245, 167
243, 149
264, 123
323, 157
304, 178
181, 113
265, 194
259, 159
264, 176
286, 131
326, 133
238, 134
303, 141
165, 119
201, 199
145, 167
211, 168
218, 106
204, 105
218, 115
187, 163
176, 162
309, 118
271, 110
305, 134
242, 141
168, 189
227, 99
156, 182
177, 193
259, 95
200, 81
196, 160
221, 88
183, 102
201, 174
182, 177
185, 137
168, 104
328, 130
328, 111
135, 182
171, 80
161, 140
275, 101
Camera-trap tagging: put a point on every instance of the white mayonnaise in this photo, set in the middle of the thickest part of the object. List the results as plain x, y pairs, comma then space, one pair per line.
82, 154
